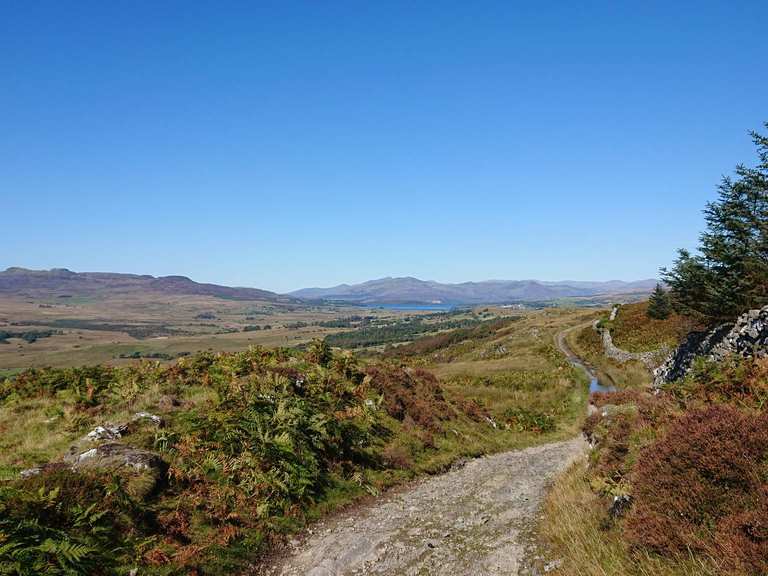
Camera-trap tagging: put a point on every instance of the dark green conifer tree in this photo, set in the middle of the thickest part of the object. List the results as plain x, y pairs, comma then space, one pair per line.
729, 275
659, 306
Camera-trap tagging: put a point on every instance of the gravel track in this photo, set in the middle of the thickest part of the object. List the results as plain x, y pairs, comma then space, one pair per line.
472, 520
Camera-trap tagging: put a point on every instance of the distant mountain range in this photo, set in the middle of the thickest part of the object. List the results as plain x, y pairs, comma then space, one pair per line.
60, 282
414, 291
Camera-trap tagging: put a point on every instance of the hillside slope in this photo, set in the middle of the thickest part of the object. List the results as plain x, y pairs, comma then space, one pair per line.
236, 451
60, 282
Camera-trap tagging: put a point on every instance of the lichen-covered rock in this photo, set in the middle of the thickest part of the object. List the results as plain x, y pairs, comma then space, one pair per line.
747, 337
142, 471
112, 432
115, 455
47, 467
156, 420
29, 472
108, 432
619, 506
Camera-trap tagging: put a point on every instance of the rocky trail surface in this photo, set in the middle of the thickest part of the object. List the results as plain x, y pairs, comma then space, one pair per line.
472, 520
562, 345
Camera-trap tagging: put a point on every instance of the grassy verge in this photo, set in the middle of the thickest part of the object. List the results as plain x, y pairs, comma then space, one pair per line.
587, 344
689, 465
576, 530
634, 331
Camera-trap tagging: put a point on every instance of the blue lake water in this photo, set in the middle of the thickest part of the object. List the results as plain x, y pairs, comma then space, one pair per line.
415, 307
596, 386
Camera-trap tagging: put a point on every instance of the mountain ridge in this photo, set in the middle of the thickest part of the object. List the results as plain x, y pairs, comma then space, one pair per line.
407, 289
61, 282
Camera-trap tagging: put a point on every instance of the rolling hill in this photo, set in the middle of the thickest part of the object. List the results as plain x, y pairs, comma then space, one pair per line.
60, 282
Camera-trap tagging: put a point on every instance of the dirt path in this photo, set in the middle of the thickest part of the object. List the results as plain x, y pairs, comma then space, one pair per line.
474, 520
562, 344
598, 381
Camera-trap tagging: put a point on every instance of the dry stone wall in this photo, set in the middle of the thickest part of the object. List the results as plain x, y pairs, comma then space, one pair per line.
650, 359
747, 337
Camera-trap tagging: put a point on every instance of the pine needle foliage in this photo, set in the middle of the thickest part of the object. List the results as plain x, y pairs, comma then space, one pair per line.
730, 272
659, 306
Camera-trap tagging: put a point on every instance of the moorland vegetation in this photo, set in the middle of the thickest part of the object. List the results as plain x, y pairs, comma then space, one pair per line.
246, 448
676, 483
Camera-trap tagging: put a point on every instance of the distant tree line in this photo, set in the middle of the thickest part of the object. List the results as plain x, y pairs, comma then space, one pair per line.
153, 355
29, 336
402, 331
347, 322
206, 316
431, 343
256, 327
353, 321
138, 331
729, 273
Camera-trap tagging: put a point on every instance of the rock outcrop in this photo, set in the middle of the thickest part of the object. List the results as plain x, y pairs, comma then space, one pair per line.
115, 455
99, 450
747, 337
109, 432
116, 431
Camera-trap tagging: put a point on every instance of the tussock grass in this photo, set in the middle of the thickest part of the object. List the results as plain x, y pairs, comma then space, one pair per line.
577, 530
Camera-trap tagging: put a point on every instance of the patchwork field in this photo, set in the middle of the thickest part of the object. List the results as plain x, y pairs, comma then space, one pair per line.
73, 331
119, 330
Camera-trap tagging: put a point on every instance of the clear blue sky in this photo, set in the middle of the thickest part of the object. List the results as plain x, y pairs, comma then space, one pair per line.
291, 144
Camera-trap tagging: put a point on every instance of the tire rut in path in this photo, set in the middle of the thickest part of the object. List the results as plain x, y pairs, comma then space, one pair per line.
474, 520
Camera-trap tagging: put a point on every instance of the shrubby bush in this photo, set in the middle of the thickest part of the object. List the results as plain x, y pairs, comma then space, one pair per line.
526, 420
65, 523
703, 487
694, 459
624, 422
410, 393
272, 433
734, 381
